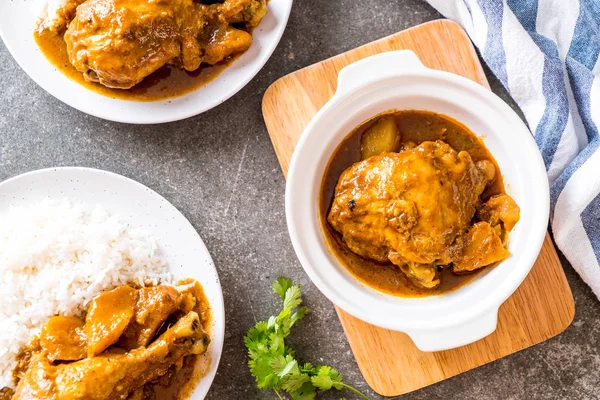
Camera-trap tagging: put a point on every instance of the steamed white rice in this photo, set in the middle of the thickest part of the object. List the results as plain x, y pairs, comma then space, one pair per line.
55, 257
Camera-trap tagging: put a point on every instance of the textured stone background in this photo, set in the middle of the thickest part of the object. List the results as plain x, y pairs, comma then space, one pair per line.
194, 164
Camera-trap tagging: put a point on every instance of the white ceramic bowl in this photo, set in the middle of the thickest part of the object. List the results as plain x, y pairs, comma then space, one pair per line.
398, 80
17, 23
143, 208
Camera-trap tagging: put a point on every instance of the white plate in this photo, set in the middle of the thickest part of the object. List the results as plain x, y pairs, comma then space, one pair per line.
17, 23
143, 208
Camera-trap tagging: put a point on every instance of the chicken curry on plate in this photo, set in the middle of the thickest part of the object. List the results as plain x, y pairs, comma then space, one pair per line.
147, 51
133, 343
413, 204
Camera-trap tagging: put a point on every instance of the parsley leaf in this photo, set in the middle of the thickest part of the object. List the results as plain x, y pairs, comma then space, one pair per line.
273, 363
327, 378
281, 285
292, 298
295, 382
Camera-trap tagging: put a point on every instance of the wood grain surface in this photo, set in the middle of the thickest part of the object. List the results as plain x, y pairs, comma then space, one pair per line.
541, 307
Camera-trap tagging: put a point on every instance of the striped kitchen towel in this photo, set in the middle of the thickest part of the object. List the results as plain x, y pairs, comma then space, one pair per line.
545, 53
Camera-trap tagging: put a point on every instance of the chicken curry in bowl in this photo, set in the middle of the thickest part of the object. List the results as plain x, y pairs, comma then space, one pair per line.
147, 51
132, 343
413, 204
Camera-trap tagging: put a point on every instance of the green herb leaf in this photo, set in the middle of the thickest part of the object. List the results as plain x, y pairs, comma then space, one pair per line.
327, 378
292, 298
285, 365
281, 285
263, 372
298, 315
273, 363
306, 392
295, 382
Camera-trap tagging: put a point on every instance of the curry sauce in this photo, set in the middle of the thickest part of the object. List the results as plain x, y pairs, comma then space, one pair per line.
414, 127
184, 382
167, 82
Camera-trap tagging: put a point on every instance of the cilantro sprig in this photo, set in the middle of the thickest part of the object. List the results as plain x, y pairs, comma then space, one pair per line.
274, 365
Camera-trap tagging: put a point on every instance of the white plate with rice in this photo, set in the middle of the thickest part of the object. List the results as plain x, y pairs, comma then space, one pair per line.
67, 234
18, 21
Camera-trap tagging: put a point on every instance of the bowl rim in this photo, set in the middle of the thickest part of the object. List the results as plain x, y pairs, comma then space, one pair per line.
488, 304
137, 112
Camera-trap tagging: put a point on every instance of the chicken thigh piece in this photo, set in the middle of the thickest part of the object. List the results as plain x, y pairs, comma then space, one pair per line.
154, 305
119, 42
114, 374
410, 207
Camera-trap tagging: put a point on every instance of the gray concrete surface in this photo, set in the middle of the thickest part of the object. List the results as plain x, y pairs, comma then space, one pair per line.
220, 170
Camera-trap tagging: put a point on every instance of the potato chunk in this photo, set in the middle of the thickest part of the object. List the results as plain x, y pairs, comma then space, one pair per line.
382, 137
63, 339
107, 318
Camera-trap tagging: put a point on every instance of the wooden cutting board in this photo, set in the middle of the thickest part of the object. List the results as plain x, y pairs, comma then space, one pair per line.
541, 308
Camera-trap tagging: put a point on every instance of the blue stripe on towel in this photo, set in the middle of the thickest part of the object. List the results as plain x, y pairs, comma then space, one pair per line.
562, 180
556, 113
494, 49
525, 11
586, 37
581, 79
583, 55
581, 58
590, 217
553, 122
581, 82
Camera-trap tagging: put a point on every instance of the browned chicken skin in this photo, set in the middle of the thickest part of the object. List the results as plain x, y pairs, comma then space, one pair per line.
6, 393
153, 307
119, 42
414, 208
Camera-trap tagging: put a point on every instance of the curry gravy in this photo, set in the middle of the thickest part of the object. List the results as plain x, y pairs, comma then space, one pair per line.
167, 82
417, 127
182, 385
